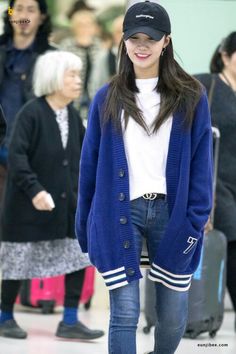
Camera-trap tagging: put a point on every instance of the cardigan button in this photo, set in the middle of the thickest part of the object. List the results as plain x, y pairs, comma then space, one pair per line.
63, 195
130, 272
121, 172
65, 162
126, 244
123, 220
121, 197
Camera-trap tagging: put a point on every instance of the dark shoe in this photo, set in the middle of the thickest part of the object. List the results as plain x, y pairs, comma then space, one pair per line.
11, 329
77, 331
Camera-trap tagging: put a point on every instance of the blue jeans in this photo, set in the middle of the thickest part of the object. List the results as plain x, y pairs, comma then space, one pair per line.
149, 219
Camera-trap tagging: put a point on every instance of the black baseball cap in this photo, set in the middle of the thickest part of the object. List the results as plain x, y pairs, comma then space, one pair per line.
146, 17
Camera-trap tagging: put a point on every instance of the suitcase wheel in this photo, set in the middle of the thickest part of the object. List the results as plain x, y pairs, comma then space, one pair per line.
193, 335
147, 329
212, 334
87, 305
47, 306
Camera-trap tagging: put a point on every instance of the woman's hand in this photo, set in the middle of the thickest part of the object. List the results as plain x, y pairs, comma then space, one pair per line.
43, 201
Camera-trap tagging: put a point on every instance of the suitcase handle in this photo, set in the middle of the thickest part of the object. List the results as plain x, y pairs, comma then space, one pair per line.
216, 139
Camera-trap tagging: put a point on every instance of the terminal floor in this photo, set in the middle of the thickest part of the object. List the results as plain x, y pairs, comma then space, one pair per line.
41, 339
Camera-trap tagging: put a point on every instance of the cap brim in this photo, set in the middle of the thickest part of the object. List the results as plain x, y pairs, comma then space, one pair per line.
154, 34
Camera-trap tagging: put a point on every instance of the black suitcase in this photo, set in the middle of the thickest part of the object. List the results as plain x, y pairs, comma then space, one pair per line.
206, 294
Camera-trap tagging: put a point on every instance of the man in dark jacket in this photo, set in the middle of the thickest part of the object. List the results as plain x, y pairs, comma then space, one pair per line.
26, 30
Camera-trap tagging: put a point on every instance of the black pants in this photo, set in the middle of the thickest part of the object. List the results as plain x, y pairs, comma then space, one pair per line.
231, 271
73, 287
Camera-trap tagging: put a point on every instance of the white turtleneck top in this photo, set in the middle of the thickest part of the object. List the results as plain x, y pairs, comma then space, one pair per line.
147, 154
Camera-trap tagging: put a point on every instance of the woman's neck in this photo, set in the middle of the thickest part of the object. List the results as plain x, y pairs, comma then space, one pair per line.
146, 74
57, 101
228, 78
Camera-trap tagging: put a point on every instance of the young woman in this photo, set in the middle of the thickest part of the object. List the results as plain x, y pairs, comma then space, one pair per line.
221, 82
38, 238
146, 177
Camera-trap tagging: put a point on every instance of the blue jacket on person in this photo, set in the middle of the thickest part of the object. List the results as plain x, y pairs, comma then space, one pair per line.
103, 222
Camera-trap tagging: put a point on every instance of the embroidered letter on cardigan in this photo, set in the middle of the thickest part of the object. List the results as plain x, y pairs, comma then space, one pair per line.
192, 241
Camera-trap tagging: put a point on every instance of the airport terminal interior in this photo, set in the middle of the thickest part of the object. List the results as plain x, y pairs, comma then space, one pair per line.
194, 47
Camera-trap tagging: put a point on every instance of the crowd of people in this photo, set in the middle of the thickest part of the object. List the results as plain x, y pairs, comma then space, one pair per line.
141, 148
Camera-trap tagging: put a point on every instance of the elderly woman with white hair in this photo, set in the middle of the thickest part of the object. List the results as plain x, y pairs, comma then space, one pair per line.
37, 225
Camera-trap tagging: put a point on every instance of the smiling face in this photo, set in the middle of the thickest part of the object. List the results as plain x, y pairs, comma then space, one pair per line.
145, 52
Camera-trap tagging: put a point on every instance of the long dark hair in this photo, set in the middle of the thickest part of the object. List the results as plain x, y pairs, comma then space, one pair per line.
179, 91
44, 30
228, 45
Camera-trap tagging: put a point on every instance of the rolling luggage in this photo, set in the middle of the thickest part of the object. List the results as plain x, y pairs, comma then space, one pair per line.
206, 294
46, 293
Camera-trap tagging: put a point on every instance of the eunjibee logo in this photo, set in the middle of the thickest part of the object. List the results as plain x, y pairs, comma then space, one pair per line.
10, 11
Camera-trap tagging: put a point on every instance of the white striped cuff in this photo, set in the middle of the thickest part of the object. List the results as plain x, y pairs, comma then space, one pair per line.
178, 282
115, 278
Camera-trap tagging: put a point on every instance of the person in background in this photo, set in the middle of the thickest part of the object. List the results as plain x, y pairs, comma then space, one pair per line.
221, 86
106, 64
146, 177
25, 37
86, 45
37, 223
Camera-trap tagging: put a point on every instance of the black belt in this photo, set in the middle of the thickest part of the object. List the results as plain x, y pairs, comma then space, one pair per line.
153, 196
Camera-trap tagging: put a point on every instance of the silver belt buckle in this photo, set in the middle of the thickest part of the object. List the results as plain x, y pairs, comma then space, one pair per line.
150, 196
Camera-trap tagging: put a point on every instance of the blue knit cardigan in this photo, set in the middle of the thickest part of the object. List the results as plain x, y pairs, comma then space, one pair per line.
103, 222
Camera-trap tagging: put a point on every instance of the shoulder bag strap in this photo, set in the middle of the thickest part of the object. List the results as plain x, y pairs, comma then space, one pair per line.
211, 90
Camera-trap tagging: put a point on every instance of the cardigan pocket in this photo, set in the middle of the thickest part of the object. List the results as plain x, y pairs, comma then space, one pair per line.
180, 249
178, 257
186, 249
191, 246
